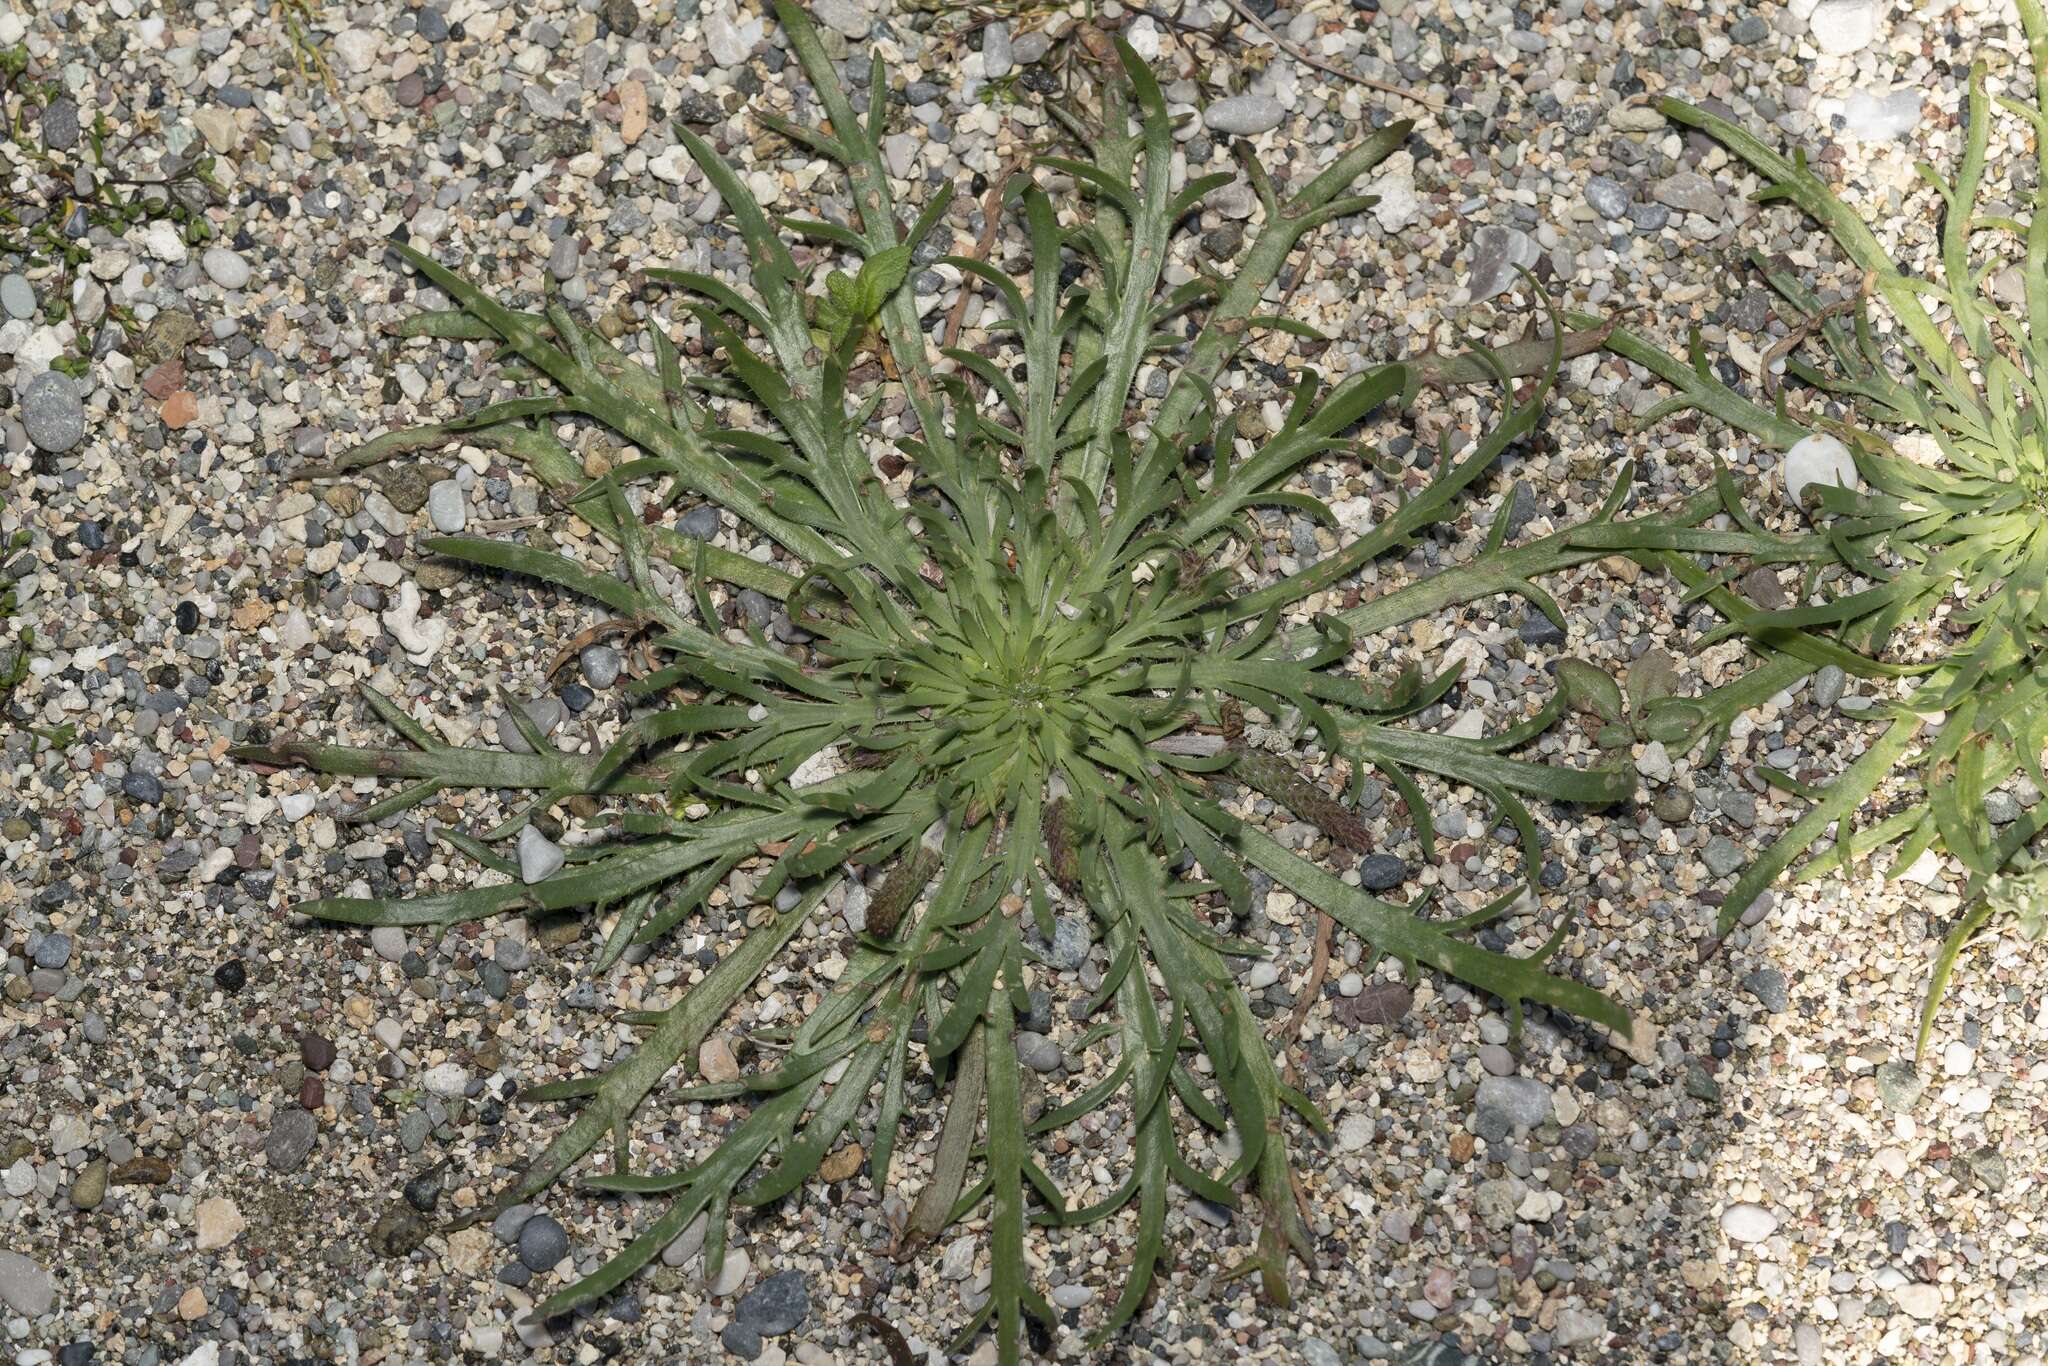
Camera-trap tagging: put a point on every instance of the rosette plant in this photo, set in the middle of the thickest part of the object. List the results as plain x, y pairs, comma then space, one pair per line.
1920, 451
1044, 674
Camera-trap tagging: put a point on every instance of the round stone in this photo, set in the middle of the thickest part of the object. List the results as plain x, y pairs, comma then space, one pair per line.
601, 665
1607, 197
225, 268
52, 412
542, 1242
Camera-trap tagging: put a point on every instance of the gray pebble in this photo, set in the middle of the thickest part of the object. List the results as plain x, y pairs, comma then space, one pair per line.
1037, 1052
1382, 872
1521, 1101
225, 268
290, 1140
565, 257
389, 942
1768, 986
52, 412
446, 506
1244, 115
1722, 856
601, 665
25, 1287
509, 1221
997, 56
1496, 253
17, 296
1607, 197
699, 523
777, 1305
1829, 685
52, 951
142, 787
60, 124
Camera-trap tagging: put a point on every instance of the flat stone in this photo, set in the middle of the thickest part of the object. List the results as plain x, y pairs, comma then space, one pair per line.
225, 268
1690, 192
1918, 1299
447, 508
1745, 1222
1496, 254
24, 1286
17, 296
1829, 685
216, 1223
52, 413
998, 57
290, 1140
777, 1305
1244, 115
446, 1079
1768, 986
844, 16
1523, 1101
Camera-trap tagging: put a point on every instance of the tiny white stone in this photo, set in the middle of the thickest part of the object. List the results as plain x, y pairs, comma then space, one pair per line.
1818, 458
539, 857
447, 1079
1744, 1222
294, 806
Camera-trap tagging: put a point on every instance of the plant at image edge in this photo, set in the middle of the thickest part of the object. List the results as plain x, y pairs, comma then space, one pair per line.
1025, 690
1958, 545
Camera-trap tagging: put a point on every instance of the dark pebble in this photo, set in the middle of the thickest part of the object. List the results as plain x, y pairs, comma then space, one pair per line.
1537, 629
542, 1242
188, 617
1381, 872
516, 1274
742, 1341
52, 951
316, 1051
433, 26
777, 1305
143, 787
423, 1192
231, 976
60, 125
290, 1140
576, 697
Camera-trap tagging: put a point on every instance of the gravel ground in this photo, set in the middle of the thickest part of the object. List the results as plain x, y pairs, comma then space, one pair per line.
218, 1122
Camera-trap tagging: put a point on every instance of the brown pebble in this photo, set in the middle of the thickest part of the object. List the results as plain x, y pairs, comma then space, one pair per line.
316, 1051
312, 1093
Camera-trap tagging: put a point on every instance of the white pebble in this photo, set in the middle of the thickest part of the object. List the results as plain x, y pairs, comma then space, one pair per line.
1748, 1223
540, 858
1818, 458
225, 268
446, 1079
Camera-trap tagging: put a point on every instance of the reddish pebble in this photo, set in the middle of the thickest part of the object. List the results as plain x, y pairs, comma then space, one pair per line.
164, 380
179, 409
312, 1093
